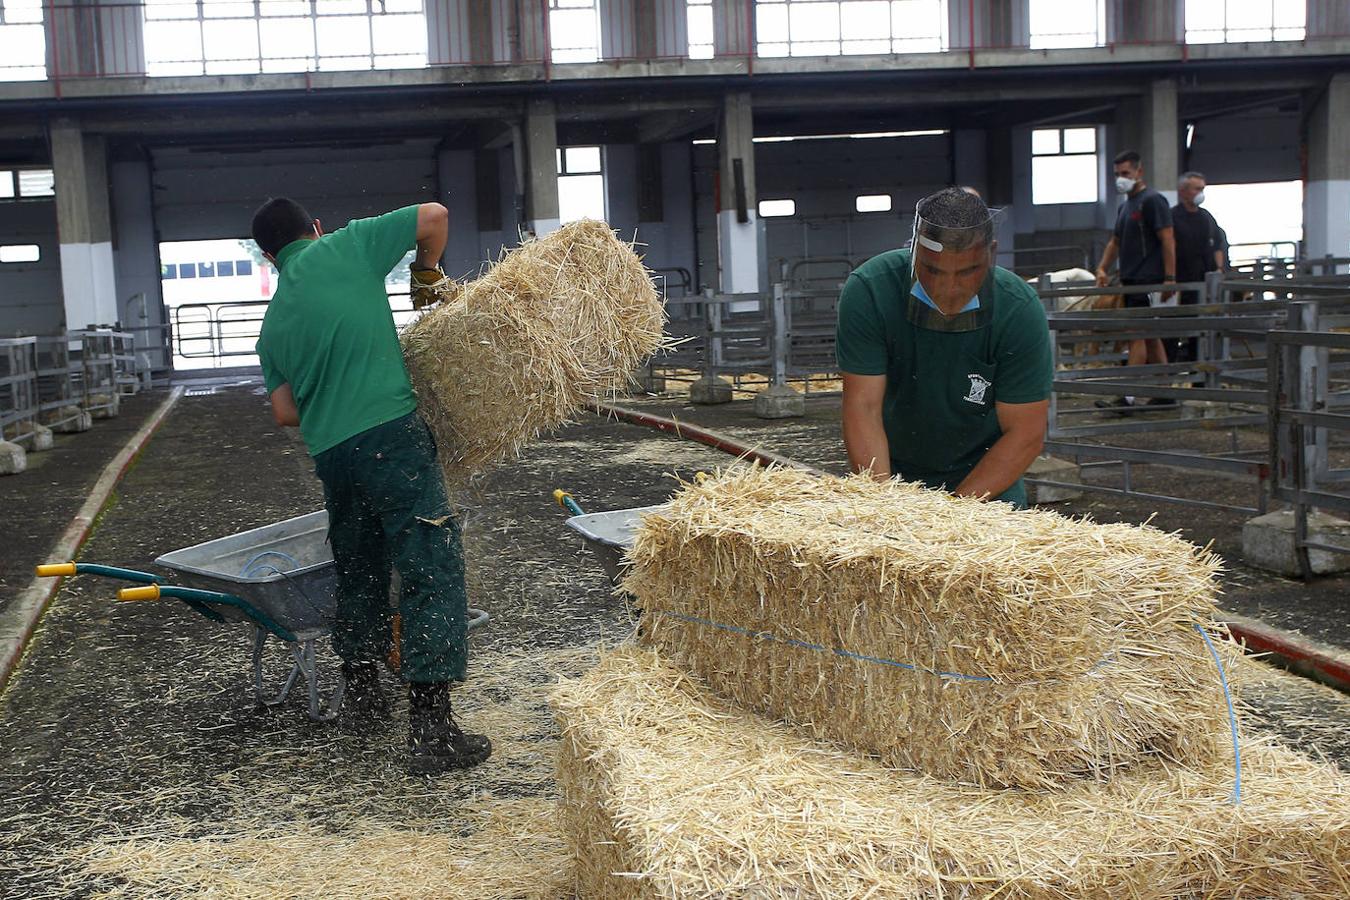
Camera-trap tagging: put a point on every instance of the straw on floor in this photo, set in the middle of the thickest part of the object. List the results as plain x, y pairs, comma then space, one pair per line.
964, 639
669, 792
554, 326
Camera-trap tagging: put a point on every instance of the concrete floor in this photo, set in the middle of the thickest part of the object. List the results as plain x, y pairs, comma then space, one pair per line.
136, 720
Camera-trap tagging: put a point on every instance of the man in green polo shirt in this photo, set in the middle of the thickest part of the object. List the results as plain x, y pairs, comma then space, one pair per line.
946, 359
332, 364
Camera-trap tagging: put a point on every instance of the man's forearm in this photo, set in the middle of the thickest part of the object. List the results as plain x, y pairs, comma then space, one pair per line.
1169, 252
1002, 465
1108, 256
868, 447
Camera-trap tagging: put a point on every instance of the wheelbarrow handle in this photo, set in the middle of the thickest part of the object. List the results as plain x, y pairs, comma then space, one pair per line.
54, 570
148, 592
564, 499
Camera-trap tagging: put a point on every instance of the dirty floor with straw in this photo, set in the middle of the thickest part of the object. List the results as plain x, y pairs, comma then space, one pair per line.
133, 762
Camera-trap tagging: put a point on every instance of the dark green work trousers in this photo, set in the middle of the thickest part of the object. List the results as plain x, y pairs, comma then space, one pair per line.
387, 510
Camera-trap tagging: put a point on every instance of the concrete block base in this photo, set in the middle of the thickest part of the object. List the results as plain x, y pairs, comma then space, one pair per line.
68, 420
13, 459
778, 401
647, 383
105, 406
708, 391
41, 436
1268, 543
1053, 469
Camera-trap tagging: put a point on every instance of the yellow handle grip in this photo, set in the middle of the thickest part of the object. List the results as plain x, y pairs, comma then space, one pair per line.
559, 495
52, 570
148, 592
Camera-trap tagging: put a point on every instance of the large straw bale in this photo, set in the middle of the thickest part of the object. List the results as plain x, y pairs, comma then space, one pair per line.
554, 326
968, 640
669, 792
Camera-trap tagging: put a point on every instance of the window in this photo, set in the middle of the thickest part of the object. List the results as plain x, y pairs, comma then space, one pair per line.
773, 209
206, 270
168, 272
19, 253
23, 41
873, 203
243, 267
36, 183
573, 31
1080, 23
225, 269
219, 37
581, 184
700, 23
846, 27
1257, 218
1234, 21
187, 270
1064, 166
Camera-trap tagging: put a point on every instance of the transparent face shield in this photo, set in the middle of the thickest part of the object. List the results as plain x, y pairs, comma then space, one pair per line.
949, 243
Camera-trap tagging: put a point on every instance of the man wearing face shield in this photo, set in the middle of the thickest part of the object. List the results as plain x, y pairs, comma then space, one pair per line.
945, 359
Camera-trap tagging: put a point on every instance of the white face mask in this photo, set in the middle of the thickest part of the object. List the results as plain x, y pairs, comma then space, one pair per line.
1124, 185
1199, 198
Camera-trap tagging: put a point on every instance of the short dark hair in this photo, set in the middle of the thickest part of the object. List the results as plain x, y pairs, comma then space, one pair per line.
278, 222
1128, 156
956, 218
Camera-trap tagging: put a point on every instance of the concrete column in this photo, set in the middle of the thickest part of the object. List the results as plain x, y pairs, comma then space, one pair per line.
1145, 22
88, 276
733, 28
460, 32
89, 38
1149, 124
540, 163
136, 258
1326, 196
739, 235
457, 174
1328, 18
997, 23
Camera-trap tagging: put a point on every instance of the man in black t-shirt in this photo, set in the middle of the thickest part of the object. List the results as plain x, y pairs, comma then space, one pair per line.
1200, 244
1144, 242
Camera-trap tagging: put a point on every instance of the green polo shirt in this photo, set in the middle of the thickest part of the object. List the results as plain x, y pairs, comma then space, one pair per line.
943, 376
330, 334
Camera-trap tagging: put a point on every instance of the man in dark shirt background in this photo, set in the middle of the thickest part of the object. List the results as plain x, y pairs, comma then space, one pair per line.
1200, 245
1146, 246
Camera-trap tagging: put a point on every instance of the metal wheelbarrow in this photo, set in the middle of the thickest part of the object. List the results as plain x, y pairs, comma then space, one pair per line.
608, 534
279, 579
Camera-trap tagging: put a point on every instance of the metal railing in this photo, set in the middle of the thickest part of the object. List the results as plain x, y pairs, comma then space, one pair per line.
1301, 402
1221, 390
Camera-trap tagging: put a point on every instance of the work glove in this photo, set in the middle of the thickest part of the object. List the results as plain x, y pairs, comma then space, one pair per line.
427, 287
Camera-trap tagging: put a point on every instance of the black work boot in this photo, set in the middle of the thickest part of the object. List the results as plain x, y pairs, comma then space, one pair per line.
435, 741
364, 704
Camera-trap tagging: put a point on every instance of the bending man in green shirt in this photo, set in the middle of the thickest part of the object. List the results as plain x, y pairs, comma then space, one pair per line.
332, 364
946, 359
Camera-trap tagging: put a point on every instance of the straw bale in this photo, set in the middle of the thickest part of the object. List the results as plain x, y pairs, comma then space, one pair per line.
1039, 648
669, 792
556, 325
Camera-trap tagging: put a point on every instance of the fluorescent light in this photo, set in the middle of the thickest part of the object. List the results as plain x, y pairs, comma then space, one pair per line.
866, 135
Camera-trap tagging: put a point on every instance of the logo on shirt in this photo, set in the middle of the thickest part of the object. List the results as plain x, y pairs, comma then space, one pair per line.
978, 385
